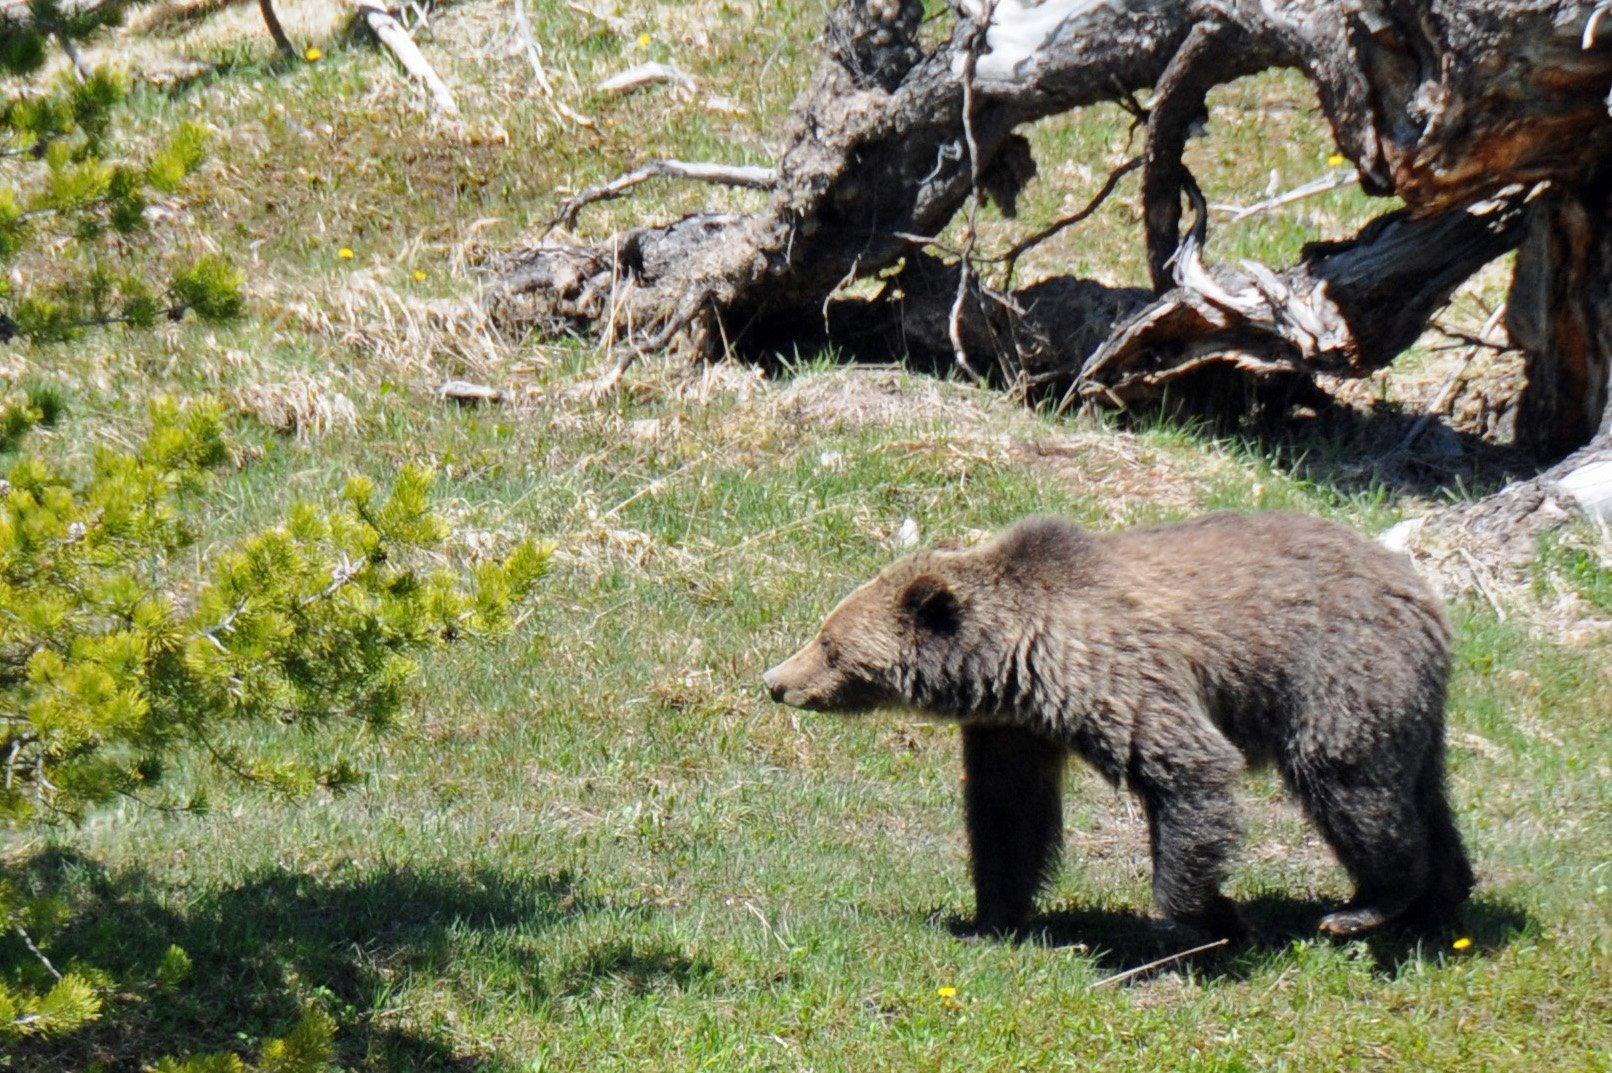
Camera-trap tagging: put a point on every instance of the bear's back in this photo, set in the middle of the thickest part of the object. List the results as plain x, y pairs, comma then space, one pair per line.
1282, 609
1263, 611
1268, 560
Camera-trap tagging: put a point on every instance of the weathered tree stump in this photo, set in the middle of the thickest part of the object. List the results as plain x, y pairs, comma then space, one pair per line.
1489, 118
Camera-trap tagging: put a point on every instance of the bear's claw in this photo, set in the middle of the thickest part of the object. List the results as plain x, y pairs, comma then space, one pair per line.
1349, 923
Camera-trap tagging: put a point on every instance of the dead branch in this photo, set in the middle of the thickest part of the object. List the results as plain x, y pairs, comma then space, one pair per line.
469, 393
80, 68
1337, 179
534, 56
389, 32
1213, 52
647, 74
965, 267
276, 31
1446, 394
1130, 974
1011, 257
746, 176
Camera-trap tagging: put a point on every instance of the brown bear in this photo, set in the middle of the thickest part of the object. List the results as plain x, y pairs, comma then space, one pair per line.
1168, 657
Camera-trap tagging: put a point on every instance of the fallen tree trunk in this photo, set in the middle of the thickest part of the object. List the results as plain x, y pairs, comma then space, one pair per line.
1489, 118
876, 163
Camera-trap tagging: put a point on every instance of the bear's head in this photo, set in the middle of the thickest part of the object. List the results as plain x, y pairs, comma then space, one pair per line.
884, 645
941, 632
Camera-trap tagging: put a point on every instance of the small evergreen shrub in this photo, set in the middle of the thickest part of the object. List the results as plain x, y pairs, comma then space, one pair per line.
61, 190
112, 662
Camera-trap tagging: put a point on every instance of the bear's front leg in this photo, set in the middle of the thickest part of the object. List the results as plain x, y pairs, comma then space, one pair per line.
1013, 801
1186, 787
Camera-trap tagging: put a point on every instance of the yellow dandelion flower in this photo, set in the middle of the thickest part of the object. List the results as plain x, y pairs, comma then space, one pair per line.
1337, 160
420, 275
345, 254
1462, 943
946, 992
644, 40
313, 55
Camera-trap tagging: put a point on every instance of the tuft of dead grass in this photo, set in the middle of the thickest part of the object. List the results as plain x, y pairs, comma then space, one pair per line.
881, 398
1517, 581
301, 407
404, 333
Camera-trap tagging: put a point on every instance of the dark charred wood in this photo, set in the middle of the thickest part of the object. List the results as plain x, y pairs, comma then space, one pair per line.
1560, 314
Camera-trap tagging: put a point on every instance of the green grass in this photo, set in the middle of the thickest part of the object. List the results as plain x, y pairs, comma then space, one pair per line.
596, 845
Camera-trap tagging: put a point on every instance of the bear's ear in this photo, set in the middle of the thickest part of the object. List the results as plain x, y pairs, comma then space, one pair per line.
932, 604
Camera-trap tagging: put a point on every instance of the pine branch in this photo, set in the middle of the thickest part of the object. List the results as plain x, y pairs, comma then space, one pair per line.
28, 941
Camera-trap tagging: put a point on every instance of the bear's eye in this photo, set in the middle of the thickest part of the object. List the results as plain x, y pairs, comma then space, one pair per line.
831, 651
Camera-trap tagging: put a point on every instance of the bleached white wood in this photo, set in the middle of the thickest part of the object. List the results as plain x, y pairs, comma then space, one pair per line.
1591, 487
391, 33
646, 74
1019, 30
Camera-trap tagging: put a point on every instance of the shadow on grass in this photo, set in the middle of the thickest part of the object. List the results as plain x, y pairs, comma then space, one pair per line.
240, 62
1391, 449
634, 969
1121, 940
260, 949
1291, 424
1298, 429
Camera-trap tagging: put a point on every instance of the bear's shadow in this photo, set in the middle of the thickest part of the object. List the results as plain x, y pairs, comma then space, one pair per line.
1123, 940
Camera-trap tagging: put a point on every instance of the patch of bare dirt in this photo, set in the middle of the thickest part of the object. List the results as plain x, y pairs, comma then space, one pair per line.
1133, 477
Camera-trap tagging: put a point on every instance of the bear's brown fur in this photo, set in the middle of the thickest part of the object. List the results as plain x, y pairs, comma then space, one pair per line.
1167, 657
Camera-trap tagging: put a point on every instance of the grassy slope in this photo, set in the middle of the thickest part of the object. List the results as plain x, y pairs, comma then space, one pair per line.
597, 845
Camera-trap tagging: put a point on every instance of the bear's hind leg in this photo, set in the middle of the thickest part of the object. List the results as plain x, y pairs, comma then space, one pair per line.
1450, 879
1013, 802
1379, 835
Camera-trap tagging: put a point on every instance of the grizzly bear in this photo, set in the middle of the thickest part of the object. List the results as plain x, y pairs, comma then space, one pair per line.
1168, 658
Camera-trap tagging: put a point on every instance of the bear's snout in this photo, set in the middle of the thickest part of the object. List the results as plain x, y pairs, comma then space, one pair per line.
775, 687
798, 681
808, 681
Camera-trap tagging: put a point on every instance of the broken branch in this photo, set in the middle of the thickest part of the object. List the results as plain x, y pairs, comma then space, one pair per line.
647, 74
747, 176
276, 31
1011, 257
965, 268
534, 56
389, 32
1310, 189
1129, 974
